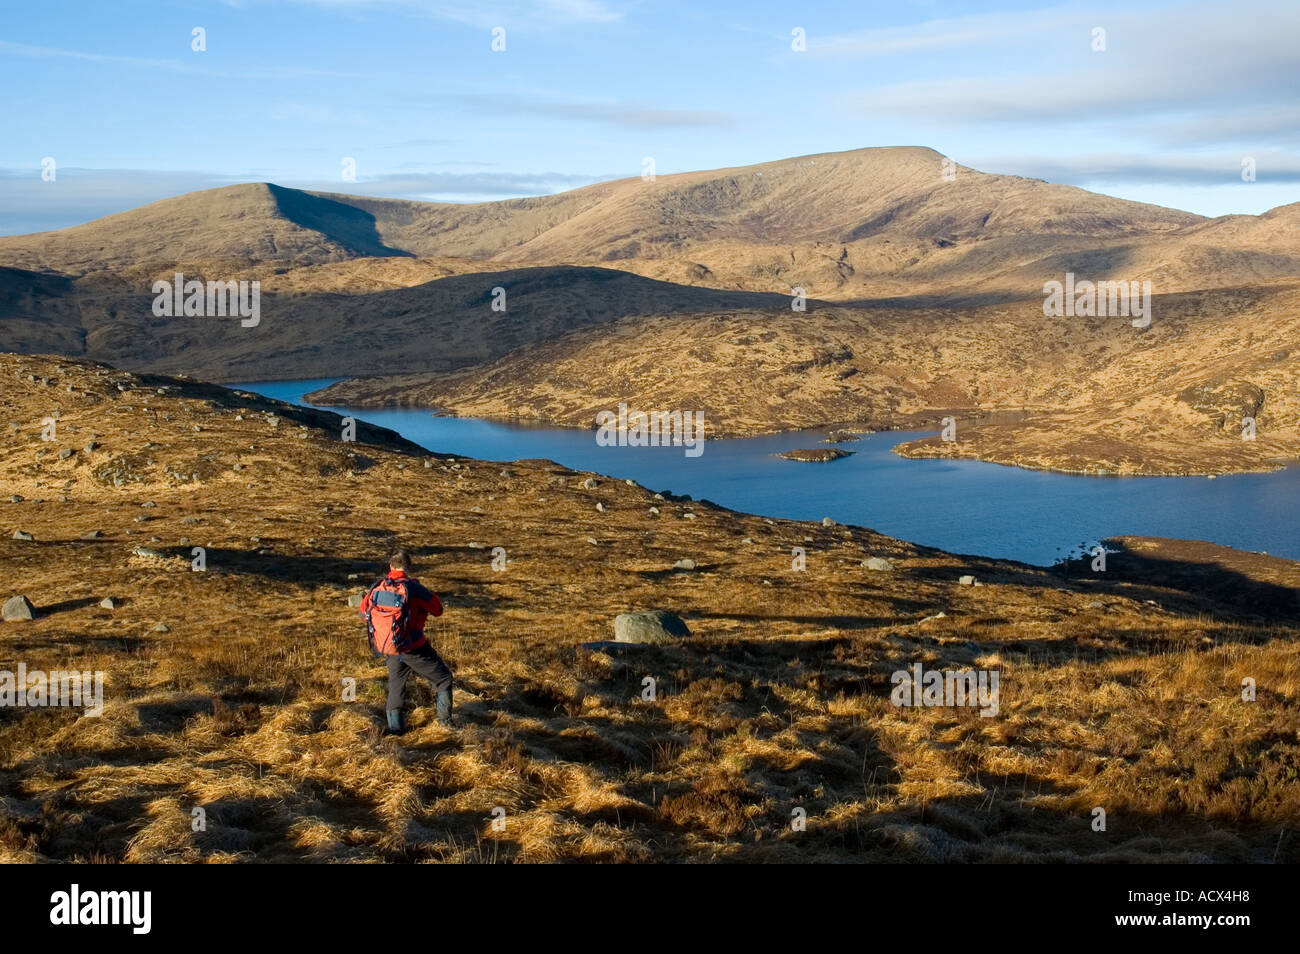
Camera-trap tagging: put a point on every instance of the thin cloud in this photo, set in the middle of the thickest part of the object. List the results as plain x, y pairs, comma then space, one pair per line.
1129, 169
29, 204
621, 115
542, 13
174, 66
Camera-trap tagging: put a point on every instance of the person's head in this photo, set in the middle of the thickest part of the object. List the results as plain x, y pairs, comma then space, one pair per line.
401, 560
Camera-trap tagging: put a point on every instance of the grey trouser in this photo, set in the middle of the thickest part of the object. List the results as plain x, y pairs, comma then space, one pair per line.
423, 662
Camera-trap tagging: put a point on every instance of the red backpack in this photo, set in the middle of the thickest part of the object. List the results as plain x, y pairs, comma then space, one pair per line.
389, 620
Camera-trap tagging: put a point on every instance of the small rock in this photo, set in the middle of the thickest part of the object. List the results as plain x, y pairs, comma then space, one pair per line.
654, 509
161, 628
23, 535
17, 609
878, 563
593, 541
356, 598
66, 453
686, 563
827, 522
600, 507
475, 546
108, 603
92, 535
939, 615
967, 580
748, 540
16, 498
688, 516
590, 483
90, 448
148, 553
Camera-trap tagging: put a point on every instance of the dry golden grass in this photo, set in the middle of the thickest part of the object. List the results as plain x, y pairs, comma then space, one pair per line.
780, 700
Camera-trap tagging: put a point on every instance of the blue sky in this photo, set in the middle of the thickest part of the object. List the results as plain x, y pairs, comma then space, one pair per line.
585, 89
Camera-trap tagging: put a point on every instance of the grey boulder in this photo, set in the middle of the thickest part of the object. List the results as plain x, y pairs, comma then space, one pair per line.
649, 626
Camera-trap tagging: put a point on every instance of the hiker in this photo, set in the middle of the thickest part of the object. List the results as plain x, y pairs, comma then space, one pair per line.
395, 609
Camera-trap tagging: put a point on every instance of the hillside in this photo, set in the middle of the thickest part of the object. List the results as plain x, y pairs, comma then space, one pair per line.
225, 688
1086, 395
924, 299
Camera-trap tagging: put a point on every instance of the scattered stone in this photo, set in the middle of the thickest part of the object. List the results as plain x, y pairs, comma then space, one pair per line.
161, 628
475, 546
967, 580
939, 615
108, 603
878, 563
16, 498
189, 520
148, 553
827, 522
591, 483
66, 453
92, 535
593, 541
90, 448
649, 626
688, 516
355, 599
148, 504
23, 535
600, 507
747, 540
686, 563
18, 609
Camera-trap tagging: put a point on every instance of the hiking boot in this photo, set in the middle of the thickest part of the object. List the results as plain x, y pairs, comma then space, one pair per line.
444, 707
396, 721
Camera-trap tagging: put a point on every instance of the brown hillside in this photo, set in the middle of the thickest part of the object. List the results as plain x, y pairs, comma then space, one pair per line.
225, 688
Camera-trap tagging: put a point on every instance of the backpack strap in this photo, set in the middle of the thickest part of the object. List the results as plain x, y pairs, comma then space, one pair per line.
370, 626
